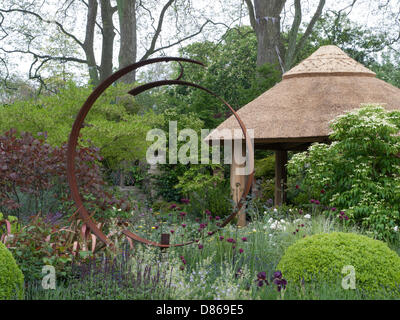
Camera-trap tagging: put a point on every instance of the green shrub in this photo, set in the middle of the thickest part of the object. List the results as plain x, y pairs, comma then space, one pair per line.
265, 168
321, 257
11, 277
359, 172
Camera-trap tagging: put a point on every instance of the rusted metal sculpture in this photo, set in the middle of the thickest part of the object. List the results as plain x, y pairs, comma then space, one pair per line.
73, 140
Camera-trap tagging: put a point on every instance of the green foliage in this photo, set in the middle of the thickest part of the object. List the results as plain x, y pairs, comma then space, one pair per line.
216, 197
265, 168
171, 181
321, 258
119, 134
11, 277
32, 249
359, 171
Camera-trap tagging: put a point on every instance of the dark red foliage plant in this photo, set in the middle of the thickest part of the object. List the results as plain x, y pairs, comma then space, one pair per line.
33, 177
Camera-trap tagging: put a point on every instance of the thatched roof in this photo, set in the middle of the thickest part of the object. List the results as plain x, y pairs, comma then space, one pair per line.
300, 107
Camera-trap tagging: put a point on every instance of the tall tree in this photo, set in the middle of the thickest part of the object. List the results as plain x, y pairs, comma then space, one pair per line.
266, 21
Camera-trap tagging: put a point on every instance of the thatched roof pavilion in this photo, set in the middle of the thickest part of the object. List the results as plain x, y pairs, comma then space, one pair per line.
296, 112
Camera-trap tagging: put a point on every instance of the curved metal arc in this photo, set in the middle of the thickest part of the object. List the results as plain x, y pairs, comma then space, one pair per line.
73, 139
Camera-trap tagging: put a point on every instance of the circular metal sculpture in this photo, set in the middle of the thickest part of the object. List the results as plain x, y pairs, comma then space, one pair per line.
73, 140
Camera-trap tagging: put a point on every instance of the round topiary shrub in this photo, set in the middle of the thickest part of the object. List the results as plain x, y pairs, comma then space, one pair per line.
321, 258
11, 277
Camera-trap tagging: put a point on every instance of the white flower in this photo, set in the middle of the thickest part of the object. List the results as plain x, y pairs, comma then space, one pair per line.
307, 216
275, 210
396, 228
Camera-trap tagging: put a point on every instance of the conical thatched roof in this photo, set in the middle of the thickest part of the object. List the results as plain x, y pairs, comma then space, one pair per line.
299, 108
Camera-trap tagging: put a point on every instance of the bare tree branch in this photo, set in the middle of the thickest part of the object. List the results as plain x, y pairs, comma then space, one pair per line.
293, 35
156, 35
59, 25
181, 40
39, 56
309, 28
253, 21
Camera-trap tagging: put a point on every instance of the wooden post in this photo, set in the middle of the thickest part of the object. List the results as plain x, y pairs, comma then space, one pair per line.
238, 183
164, 240
280, 176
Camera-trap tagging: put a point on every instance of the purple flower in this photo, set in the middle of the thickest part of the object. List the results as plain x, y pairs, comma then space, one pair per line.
201, 246
208, 212
172, 231
217, 218
261, 278
279, 281
173, 206
231, 240
341, 213
182, 214
183, 225
316, 202
185, 201
240, 250
209, 233
333, 209
221, 238
244, 239
346, 218
312, 200
300, 211
202, 225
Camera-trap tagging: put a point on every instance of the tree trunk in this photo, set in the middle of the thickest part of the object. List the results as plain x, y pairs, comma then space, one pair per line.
128, 47
88, 44
265, 20
107, 12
